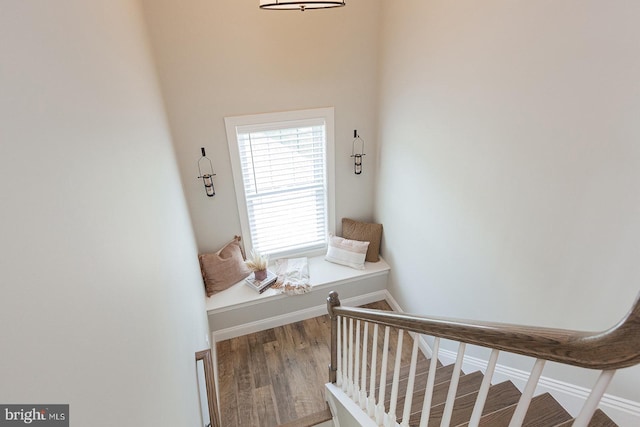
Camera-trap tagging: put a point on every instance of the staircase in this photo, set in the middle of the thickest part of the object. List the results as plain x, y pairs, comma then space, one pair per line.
377, 366
499, 407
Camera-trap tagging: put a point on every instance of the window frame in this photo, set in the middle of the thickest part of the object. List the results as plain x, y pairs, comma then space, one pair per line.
269, 119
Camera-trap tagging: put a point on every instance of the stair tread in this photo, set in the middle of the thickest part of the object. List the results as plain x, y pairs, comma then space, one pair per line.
422, 366
544, 411
500, 396
467, 384
599, 419
443, 374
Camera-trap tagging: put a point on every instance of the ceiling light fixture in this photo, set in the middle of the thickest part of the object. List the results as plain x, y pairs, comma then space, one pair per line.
299, 5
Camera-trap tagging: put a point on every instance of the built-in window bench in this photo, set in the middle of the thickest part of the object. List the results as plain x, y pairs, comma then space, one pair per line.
240, 310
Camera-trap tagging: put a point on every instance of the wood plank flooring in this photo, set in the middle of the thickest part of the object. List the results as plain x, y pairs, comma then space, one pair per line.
277, 376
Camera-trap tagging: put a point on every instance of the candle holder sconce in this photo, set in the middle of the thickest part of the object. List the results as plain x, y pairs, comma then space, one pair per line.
207, 177
357, 151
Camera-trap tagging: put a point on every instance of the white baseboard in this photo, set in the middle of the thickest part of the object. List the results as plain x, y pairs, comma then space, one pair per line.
392, 302
295, 316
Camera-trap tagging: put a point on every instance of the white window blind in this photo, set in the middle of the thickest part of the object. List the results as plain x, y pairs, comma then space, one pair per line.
283, 167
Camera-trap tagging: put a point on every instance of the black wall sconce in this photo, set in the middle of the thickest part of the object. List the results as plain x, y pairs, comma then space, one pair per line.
357, 151
207, 177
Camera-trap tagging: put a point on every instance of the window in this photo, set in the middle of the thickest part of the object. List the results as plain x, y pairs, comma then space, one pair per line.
283, 176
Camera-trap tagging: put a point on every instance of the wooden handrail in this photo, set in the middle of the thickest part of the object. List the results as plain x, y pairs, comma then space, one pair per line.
615, 348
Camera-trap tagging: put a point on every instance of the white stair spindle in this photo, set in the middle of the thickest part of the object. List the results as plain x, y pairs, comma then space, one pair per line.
350, 373
527, 394
590, 406
408, 400
345, 360
453, 387
431, 379
391, 415
371, 401
339, 352
363, 380
356, 367
383, 378
484, 390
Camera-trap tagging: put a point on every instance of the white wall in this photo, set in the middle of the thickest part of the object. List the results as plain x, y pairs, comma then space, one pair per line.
510, 162
227, 57
101, 303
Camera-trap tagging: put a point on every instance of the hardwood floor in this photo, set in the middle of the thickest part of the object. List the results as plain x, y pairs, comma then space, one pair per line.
277, 376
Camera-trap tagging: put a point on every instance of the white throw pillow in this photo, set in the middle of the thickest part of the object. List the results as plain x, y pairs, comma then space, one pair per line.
351, 253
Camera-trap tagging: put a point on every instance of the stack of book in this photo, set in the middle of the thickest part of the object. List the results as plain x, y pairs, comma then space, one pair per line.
261, 285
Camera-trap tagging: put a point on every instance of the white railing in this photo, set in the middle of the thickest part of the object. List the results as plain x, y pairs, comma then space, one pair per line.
352, 362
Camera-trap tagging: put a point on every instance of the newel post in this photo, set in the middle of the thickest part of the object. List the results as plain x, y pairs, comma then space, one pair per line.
333, 301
